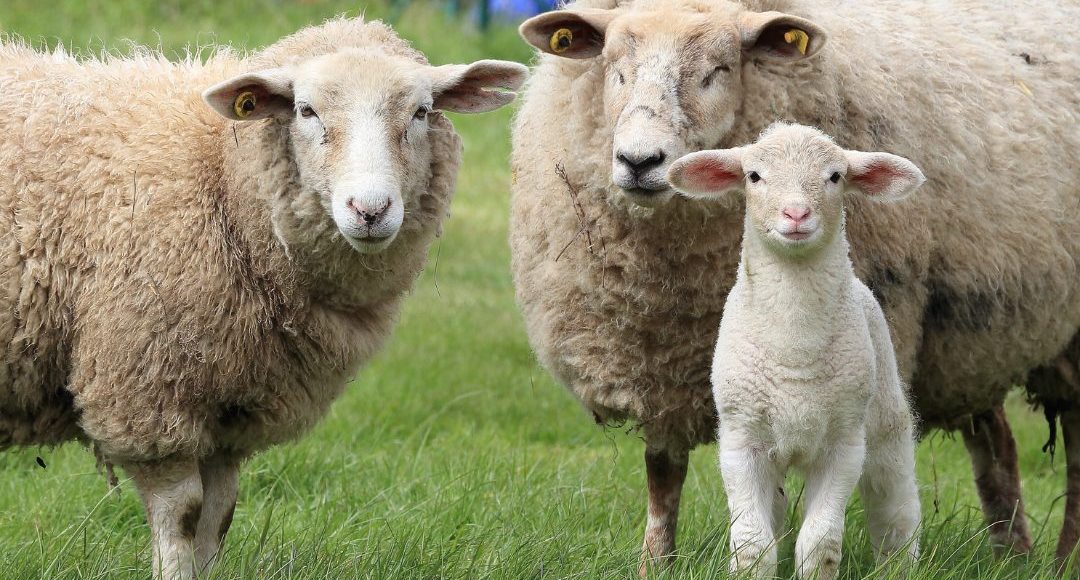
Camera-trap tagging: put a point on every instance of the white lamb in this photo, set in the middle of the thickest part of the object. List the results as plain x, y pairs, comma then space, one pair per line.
805, 373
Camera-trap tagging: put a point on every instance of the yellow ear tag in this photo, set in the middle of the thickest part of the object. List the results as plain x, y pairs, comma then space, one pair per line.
561, 40
797, 37
244, 104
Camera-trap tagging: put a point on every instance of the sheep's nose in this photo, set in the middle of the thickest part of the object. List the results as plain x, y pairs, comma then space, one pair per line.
641, 163
369, 214
796, 213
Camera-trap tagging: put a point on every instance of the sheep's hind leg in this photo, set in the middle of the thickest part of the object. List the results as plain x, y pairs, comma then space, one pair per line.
890, 496
220, 478
990, 444
1070, 528
666, 472
751, 482
172, 493
829, 485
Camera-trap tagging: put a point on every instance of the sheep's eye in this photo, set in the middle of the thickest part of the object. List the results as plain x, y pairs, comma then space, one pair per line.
421, 113
307, 112
712, 74
835, 177
622, 79
754, 177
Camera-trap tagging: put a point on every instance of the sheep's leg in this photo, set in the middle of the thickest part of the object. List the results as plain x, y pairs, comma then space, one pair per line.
172, 493
220, 478
1070, 529
992, 449
666, 472
751, 482
829, 485
890, 496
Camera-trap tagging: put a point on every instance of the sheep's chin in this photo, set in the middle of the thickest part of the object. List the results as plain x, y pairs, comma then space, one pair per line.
368, 246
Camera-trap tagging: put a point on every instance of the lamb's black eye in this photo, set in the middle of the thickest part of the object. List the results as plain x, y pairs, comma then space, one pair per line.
306, 111
622, 79
835, 177
421, 113
754, 177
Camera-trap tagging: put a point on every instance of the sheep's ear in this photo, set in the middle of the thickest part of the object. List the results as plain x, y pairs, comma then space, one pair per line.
882, 176
252, 96
779, 37
707, 174
467, 88
569, 33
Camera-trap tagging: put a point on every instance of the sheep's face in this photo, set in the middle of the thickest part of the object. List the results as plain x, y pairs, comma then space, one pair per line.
358, 123
795, 179
673, 76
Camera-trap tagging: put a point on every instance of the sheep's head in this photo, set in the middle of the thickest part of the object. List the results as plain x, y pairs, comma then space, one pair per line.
358, 123
795, 179
674, 76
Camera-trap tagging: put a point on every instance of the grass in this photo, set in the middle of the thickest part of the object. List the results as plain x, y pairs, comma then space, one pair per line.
453, 455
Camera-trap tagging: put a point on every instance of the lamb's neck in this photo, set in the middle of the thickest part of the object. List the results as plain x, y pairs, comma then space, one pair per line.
800, 296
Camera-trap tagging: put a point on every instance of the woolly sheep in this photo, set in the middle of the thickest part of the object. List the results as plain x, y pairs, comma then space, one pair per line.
182, 291
622, 285
805, 374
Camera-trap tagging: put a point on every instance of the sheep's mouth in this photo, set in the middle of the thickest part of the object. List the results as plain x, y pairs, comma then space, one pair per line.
374, 239
645, 191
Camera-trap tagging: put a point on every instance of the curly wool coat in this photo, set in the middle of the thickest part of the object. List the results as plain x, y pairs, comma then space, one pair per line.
147, 302
977, 274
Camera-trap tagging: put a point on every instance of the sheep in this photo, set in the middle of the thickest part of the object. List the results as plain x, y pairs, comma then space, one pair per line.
804, 373
188, 280
622, 285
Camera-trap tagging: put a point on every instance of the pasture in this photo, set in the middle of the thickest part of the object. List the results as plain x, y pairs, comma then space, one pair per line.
453, 455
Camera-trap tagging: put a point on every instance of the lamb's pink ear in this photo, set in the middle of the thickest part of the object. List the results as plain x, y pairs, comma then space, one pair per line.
253, 96
882, 176
467, 88
569, 33
707, 174
779, 37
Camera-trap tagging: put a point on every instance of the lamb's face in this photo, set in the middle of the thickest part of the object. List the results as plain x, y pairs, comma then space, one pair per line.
674, 75
795, 179
358, 123
794, 191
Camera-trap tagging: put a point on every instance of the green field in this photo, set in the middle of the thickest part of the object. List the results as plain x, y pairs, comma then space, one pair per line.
453, 455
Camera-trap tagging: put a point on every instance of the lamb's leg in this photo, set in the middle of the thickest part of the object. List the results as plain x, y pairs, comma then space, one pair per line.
220, 478
829, 485
992, 449
666, 471
1070, 529
751, 482
890, 495
172, 492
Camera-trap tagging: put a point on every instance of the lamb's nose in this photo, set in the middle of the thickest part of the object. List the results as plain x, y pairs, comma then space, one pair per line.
641, 163
370, 215
796, 213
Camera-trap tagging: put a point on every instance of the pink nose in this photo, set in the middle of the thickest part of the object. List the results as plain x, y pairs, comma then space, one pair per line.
796, 213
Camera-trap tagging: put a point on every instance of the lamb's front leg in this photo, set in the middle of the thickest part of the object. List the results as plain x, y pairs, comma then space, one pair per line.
829, 484
172, 493
751, 482
666, 471
220, 478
